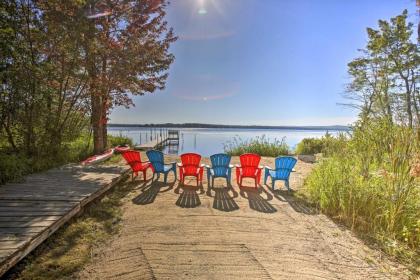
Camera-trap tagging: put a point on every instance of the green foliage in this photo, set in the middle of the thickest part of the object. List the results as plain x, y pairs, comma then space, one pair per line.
12, 167
119, 140
259, 145
309, 146
384, 81
372, 184
326, 145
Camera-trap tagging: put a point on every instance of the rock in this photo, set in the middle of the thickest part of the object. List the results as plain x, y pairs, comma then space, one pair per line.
307, 158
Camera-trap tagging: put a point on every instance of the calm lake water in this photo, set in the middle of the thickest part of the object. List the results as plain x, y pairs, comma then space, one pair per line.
207, 141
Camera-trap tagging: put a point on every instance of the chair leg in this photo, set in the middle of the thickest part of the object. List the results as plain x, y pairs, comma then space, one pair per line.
265, 176
144, 175
165, 177
212, 181
287, 185
256, 184
273, 182
208, 177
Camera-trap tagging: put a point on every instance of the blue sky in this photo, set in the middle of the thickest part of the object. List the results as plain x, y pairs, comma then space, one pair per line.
266, 62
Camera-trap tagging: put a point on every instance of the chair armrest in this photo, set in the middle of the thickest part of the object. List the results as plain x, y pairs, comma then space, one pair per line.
203, 165
237, 166
293, 170
207, 166
268, 167
260, 167
179, 164
230, 165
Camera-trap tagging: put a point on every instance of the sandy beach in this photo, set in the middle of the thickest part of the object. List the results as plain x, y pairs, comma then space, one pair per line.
188, 232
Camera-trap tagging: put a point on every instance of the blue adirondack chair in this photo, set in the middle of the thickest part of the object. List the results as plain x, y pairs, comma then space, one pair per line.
220, 168
157, 161
284, 165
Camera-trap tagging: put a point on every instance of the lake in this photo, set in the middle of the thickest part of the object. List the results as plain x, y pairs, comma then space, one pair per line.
208, 141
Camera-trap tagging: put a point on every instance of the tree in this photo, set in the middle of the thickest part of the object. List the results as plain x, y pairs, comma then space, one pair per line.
127, 52
385, 78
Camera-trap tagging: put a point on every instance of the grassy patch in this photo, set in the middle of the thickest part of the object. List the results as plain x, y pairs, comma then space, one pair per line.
70, 248
372, 185
259, 145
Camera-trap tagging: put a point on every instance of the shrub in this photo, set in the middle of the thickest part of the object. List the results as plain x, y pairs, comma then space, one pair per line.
12, 167
371, 184
259, 145
309, 146
119, 140
326, 145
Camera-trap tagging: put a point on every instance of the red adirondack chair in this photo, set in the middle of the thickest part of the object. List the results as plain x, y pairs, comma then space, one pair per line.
249, 168
134, 160
190, 166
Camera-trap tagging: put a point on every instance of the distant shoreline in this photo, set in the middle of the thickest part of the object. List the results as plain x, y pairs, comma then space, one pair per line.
203, 125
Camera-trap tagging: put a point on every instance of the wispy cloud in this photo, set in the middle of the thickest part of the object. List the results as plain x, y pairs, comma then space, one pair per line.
206, 88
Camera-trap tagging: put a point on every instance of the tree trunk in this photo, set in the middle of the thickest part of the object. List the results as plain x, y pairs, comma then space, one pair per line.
408, 102
96, 122
104, 125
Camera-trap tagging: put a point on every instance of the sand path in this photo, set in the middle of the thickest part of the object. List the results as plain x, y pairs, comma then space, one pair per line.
176, 232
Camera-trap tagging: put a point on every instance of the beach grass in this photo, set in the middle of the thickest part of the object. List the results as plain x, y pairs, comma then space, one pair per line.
258, 145
372, 184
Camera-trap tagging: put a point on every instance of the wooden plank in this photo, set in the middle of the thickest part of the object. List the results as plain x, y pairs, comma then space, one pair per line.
42, 197
28, 203
35, 208
32, 213
26, 224
22, 252
12, 244
28, 218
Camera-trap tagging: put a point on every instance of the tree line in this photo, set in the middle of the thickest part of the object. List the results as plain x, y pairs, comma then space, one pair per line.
385, 77
65, 64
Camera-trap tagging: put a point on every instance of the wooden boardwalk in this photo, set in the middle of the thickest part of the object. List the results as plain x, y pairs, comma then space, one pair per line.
33, 210
151, 145
173, 135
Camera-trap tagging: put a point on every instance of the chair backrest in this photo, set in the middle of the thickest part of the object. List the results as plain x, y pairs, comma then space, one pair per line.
132, 157
284, 165
156, 159
220, 160
190, 159
250, 160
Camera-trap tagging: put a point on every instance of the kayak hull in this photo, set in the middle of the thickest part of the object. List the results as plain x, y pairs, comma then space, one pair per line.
98, 158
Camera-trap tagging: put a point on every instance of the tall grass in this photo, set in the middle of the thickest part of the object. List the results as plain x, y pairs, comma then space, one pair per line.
14, 166
372, 184
259, 145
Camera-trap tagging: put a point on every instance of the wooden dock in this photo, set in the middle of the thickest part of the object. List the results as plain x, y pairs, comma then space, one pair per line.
33, 210
170, 137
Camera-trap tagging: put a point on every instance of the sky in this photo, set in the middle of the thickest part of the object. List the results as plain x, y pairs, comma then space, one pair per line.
261, 62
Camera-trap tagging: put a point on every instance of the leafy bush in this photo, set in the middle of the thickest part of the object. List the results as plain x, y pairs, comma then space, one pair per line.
326, 145
12, 167
309, 146
372, 184
259, 145
119, 140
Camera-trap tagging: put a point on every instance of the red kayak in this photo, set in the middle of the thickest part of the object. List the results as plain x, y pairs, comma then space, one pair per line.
98, 158
122, 148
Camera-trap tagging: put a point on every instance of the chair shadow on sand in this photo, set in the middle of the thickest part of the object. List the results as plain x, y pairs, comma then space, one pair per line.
150, 191
256, 201
188, 196
223, 201
298, 204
